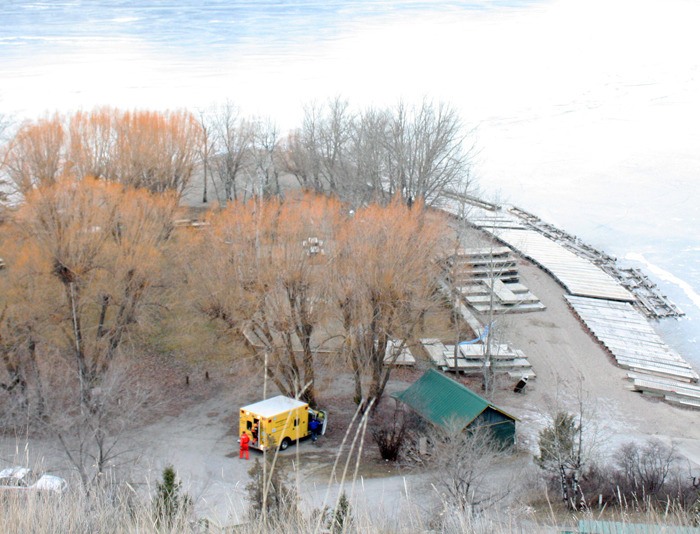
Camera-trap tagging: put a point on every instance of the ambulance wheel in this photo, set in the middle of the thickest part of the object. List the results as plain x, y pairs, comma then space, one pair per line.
285, 443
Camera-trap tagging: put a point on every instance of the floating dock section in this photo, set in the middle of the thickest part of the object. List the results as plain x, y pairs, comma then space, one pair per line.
398, 356
649, 300
630, 339
470, 359
670, 390
487, 279
578, 275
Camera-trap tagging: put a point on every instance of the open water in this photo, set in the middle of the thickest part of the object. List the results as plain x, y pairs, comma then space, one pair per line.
585, 113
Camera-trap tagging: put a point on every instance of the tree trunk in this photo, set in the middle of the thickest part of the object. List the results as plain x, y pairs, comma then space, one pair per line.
564, 485
297, 297
84, 377
36, 376
206, 181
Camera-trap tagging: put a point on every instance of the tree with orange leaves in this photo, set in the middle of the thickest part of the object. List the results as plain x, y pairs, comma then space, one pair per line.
377, 274
36, 154
253, 273
142, 149
91, 146
97, 248
156, 151
22, 327
84, 265
383, 281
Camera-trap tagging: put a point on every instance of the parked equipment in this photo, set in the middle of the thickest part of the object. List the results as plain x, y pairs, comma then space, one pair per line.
278, 422
520, 385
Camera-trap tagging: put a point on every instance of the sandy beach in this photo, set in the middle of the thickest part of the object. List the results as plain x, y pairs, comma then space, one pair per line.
567, 359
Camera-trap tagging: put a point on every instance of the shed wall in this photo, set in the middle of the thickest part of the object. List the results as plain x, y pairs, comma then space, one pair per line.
503, 427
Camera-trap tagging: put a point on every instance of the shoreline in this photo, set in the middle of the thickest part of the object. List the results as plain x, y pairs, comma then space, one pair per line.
595, 287
570, 363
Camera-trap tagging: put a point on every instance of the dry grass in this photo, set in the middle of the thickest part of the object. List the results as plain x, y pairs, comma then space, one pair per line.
122, 511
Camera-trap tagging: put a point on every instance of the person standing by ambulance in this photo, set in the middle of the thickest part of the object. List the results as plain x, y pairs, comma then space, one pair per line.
254, 433
313, 428
245, 440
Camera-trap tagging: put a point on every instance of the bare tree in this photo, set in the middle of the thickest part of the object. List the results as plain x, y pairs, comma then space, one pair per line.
367, 181
296, 160
266, 157
207, 146
5, 126
426, 152
418, 153
463, 463
318, 154
233, 136
646, 468
96, 438
335, 135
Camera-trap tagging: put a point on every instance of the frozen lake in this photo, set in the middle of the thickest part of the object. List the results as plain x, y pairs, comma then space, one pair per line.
585, 113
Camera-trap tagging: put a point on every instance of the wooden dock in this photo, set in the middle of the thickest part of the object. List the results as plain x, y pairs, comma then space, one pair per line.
612, 302
471, 359
578, 275
436, 351
630, 338
496, 219
453, 200
656, 369
487, 279
670, 390
398, 357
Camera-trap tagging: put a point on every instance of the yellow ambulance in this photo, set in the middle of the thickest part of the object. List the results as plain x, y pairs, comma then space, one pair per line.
278, 422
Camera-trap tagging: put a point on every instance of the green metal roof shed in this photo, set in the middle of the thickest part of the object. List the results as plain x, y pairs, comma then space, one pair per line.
446, 403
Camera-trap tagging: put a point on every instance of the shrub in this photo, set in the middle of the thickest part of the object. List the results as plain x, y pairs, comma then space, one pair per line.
270, 498
390, 433
341, 518
168, 504
645, 470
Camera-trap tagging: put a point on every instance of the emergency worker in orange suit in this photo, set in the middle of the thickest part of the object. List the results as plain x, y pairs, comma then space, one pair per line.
244, 446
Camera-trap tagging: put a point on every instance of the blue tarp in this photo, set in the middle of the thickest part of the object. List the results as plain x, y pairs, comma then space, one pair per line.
481, 337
